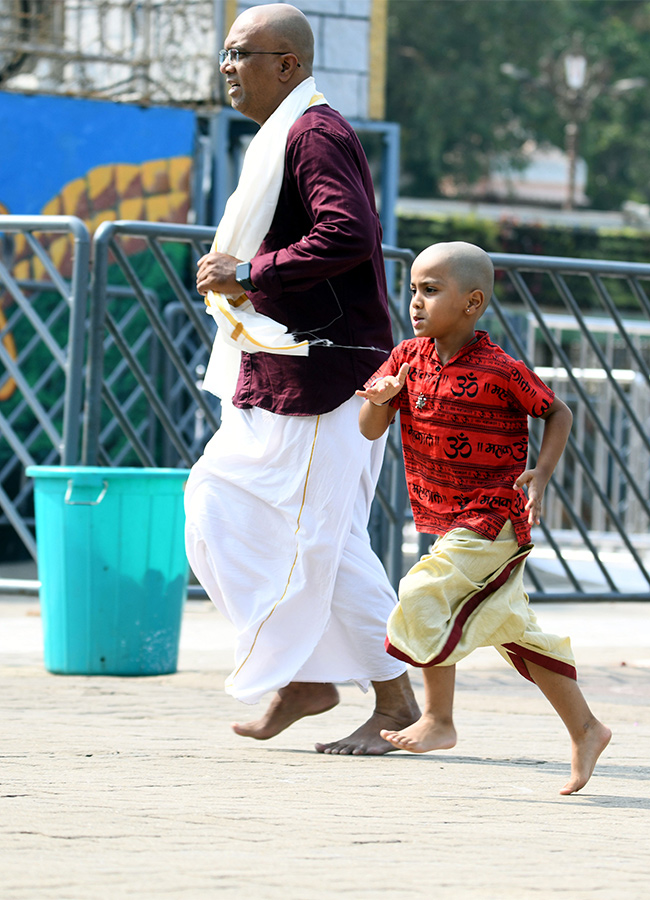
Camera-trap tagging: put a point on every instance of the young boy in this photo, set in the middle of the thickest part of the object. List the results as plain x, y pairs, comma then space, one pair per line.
464, 407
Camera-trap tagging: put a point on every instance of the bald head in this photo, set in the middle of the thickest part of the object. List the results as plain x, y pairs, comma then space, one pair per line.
469, 265
285, 25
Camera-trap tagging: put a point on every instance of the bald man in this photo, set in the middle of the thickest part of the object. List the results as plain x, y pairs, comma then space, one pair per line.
278, 505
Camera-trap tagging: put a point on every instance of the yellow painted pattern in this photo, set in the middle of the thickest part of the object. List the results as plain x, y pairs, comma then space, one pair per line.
109, 215
377, 60
53, 208
99, 180
156, 207
7, 385
23, 269
156, 191
72, 196
230, 10
178, 173
155, 178
58, 249
20, 246
125, 176
131, 209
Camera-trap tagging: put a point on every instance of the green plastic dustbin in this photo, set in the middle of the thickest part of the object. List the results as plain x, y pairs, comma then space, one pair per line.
112, 566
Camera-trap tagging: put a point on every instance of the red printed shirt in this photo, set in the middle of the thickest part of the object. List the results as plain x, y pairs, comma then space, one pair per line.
465, 434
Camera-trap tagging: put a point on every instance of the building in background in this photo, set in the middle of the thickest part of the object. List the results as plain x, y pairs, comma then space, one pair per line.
541, 179
115, 108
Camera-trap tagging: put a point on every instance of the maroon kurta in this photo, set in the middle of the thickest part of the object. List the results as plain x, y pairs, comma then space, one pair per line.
320, 272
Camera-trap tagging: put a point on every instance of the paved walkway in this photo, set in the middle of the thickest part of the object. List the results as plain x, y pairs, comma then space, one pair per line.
137, 787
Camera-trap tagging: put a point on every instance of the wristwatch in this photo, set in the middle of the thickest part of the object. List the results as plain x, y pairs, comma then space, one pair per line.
243, 276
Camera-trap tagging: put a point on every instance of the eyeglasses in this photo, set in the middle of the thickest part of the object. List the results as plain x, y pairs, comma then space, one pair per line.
234, 54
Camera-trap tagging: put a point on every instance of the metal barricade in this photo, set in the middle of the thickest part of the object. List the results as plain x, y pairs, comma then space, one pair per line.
583, 324
42, 335
167, 406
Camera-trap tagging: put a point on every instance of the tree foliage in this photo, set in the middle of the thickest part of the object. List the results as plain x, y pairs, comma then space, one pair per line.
459, 110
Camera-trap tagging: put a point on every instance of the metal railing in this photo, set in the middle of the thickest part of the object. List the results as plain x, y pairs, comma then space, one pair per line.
161, 414
600, 494
583, 324
139, 379
42, 335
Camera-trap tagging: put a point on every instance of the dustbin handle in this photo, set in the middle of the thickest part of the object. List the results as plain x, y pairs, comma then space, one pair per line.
68, 495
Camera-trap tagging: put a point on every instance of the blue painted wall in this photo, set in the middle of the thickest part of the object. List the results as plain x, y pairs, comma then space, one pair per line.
45, 142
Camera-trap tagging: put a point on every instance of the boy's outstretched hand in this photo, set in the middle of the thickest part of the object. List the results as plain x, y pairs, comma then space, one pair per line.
376, 413
384, 389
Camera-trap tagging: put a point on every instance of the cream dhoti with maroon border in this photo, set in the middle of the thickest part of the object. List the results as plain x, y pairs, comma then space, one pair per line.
468, 593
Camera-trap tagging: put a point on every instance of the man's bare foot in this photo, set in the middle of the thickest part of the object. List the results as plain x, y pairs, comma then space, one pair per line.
395, 708
584, 755
365, 741
295, 701
424, 735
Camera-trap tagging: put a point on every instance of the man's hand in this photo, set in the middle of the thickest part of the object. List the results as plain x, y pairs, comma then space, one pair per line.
216, 272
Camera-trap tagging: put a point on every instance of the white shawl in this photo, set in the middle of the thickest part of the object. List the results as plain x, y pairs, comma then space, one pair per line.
246, 220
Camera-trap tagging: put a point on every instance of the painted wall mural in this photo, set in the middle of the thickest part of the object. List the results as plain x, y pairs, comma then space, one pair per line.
47, 142
96, 160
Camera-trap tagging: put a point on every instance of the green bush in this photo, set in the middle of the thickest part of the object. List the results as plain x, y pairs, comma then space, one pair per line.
506, 236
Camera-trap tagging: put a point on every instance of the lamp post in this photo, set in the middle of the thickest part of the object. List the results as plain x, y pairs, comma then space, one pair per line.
575, 76
575, 93
575, 83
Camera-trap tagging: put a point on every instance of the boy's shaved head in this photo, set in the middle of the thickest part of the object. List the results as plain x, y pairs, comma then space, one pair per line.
467, 264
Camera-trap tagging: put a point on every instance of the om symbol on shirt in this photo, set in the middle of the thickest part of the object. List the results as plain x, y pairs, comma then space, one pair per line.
459, 446
467, 386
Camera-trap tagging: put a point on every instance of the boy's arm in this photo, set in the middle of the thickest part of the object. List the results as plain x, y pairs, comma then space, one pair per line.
376, 413
557, 425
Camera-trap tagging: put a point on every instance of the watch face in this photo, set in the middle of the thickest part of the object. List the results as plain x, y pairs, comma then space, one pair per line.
243, 275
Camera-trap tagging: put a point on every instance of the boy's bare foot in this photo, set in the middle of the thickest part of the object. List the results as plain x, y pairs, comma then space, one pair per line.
395, 707
295, 701
584, 755
424, 735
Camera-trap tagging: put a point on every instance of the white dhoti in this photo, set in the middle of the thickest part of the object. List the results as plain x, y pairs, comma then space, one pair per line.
277, 511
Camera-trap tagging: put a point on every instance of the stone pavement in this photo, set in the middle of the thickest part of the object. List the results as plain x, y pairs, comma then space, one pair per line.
137, 787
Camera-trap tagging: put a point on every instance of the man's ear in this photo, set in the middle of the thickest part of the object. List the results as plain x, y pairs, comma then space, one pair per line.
288, 65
